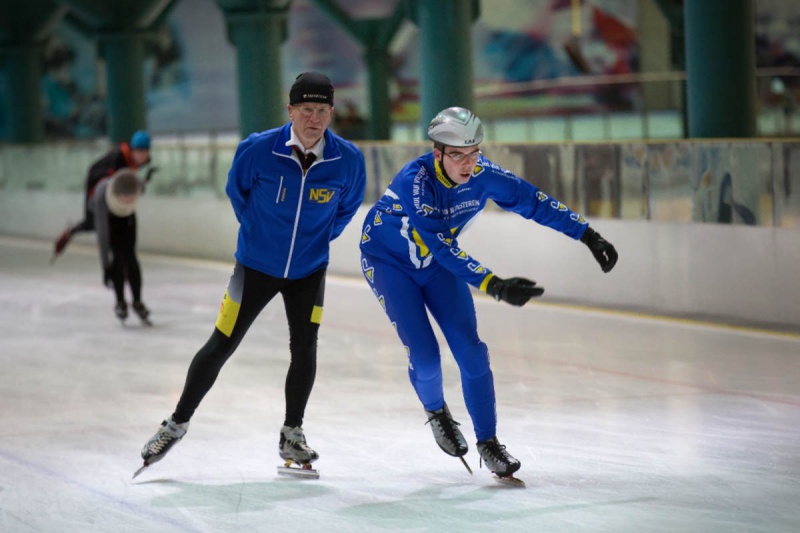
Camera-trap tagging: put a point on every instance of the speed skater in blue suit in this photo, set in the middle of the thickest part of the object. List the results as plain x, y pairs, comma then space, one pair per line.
411, 258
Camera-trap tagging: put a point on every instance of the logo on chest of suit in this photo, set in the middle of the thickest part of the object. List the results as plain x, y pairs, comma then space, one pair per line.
321, 196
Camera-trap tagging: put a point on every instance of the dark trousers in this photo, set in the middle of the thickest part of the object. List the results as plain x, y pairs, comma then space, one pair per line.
87, 224
250, 291
125, 264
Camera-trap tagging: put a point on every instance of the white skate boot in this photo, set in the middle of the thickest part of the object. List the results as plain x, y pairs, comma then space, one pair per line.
293, 448
167, 436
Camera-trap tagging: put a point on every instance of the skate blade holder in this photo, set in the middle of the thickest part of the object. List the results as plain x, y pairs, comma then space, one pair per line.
302, 470
509, 481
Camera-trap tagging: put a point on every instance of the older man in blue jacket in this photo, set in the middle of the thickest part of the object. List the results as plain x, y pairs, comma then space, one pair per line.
293, 190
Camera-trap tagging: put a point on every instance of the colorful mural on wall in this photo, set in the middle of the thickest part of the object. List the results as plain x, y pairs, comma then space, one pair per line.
519, 47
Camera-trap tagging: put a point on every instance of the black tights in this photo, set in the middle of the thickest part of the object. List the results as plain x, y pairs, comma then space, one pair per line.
300, 298
124, 265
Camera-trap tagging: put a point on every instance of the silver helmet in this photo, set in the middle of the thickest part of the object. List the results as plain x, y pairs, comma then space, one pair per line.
456, 126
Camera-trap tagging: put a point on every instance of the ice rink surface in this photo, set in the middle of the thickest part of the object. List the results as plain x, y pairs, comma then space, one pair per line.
622, 422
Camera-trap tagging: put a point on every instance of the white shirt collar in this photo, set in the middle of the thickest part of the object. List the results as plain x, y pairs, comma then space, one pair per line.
317, 149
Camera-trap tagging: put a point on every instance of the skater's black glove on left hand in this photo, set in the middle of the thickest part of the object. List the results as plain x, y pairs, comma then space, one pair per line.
603, 251
107, 278
516, 291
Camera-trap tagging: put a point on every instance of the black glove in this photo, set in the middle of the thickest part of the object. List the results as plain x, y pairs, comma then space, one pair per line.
516, 291
602, 250
149, 175
108, 280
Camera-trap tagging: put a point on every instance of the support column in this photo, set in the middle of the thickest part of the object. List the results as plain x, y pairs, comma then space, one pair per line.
445, 52
720, 68
22, 66
375, 34
120, 29
257, 29
380, 71
124, 55
24, 27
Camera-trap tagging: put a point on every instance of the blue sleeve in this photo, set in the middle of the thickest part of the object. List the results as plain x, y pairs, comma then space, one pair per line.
514, 194
240, 178
352, 194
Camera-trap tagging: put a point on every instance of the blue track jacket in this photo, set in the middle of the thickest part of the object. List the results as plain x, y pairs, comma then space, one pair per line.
422, 213
287, 219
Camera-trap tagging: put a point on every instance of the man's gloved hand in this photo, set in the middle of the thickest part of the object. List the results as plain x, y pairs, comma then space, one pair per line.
516, 291
603, 251
107, 277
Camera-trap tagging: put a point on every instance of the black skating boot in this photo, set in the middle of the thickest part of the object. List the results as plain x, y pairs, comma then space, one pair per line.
141, 311
121, 310
446, 432
496, 458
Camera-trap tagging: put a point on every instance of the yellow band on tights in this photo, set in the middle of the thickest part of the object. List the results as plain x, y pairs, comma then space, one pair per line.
228, 313
316, 315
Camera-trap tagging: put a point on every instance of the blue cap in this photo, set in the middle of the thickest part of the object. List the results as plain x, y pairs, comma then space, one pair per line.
140, 140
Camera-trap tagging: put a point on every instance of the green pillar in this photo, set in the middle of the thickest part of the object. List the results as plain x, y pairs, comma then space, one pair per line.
120, 28
379, 66
720, 68
24, 27
125, 100
22, 67
257, 31
445, 52
375, 34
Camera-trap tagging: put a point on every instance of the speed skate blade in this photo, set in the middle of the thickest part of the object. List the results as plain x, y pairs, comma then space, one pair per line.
466, 465
303, 471
141, 469
510, 481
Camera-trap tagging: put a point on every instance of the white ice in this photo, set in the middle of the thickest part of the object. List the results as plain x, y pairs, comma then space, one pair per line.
622, 422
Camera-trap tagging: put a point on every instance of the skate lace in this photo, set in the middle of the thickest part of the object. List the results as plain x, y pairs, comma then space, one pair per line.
447, 425
496, 452
163, 439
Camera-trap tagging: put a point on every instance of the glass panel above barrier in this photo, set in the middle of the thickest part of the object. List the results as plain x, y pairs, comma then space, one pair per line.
786, 183
668, 190
731, 183
597, 180
728, 182
633, 177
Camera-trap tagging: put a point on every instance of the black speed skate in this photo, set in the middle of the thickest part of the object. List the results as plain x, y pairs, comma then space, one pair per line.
293, 449
447, 435
142, 312
500, 462
121, 310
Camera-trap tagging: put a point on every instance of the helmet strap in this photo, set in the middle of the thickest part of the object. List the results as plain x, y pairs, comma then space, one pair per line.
442, 173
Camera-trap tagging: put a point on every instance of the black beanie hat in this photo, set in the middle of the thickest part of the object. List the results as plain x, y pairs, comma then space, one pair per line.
311, 87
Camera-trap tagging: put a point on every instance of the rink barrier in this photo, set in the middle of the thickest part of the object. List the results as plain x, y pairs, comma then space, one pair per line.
704, 229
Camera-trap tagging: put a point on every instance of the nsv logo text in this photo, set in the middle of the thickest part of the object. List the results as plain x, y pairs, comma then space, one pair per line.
321, 196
